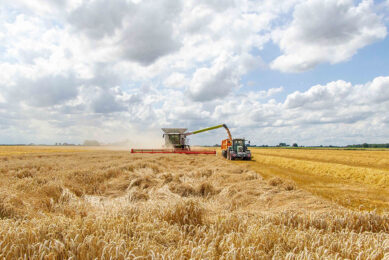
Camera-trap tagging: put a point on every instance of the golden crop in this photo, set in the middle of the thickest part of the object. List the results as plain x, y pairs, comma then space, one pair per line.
117, 205
356, 179
357, 158
26, 150
347, 172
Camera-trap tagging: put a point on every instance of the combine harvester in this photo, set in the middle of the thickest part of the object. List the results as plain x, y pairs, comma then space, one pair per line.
176, 142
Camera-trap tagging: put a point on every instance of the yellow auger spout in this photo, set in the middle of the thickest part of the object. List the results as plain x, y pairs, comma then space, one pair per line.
211, 128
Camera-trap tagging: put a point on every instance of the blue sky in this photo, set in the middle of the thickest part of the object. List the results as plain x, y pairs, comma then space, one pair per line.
370, 62
312, 72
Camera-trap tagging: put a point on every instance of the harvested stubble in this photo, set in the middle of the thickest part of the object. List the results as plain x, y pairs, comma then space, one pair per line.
116, 205
355, 179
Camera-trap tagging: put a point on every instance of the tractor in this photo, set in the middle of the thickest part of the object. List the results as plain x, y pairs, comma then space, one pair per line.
235, 149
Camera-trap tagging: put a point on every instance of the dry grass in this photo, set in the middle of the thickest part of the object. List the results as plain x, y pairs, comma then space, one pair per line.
102, 204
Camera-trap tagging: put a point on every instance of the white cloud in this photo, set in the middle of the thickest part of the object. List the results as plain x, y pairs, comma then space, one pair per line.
269, 93
320, 97
176, 80
220, 79
326, 31
215, 82
149, 33
105, 102
88, 18
378, 90
45, 91
141, 32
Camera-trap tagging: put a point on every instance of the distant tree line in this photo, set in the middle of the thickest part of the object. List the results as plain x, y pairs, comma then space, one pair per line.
366, 145
64, 144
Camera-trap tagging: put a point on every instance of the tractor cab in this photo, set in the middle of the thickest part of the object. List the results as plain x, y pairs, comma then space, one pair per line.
239, 145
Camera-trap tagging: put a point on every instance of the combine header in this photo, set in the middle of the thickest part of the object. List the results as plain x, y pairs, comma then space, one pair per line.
179, 151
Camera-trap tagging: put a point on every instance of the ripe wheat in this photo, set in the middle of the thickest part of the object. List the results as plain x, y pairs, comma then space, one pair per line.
114, 205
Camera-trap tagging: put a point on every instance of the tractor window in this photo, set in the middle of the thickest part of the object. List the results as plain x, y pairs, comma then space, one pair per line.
239, 142
239, 146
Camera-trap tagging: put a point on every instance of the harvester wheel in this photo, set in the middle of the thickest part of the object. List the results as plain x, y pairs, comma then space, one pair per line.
224, 153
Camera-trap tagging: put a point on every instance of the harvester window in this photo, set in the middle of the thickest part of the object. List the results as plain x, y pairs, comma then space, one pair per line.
174, 139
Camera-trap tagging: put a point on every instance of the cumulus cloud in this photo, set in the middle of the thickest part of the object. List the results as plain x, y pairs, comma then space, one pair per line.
211, 83
269, 93
149, 33
141, 32
378, 90
219, 5
339, 102
326, 31
100, 18
220, 79
176, 80
320, 97
45, 91
105, 102
340, 94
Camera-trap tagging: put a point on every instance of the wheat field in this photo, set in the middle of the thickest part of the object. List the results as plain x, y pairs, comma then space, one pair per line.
354, 179
88, 204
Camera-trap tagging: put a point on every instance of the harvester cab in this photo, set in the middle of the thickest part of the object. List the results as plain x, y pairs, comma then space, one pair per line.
175, 138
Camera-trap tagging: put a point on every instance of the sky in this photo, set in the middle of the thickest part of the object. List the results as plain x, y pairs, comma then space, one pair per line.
312, 72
